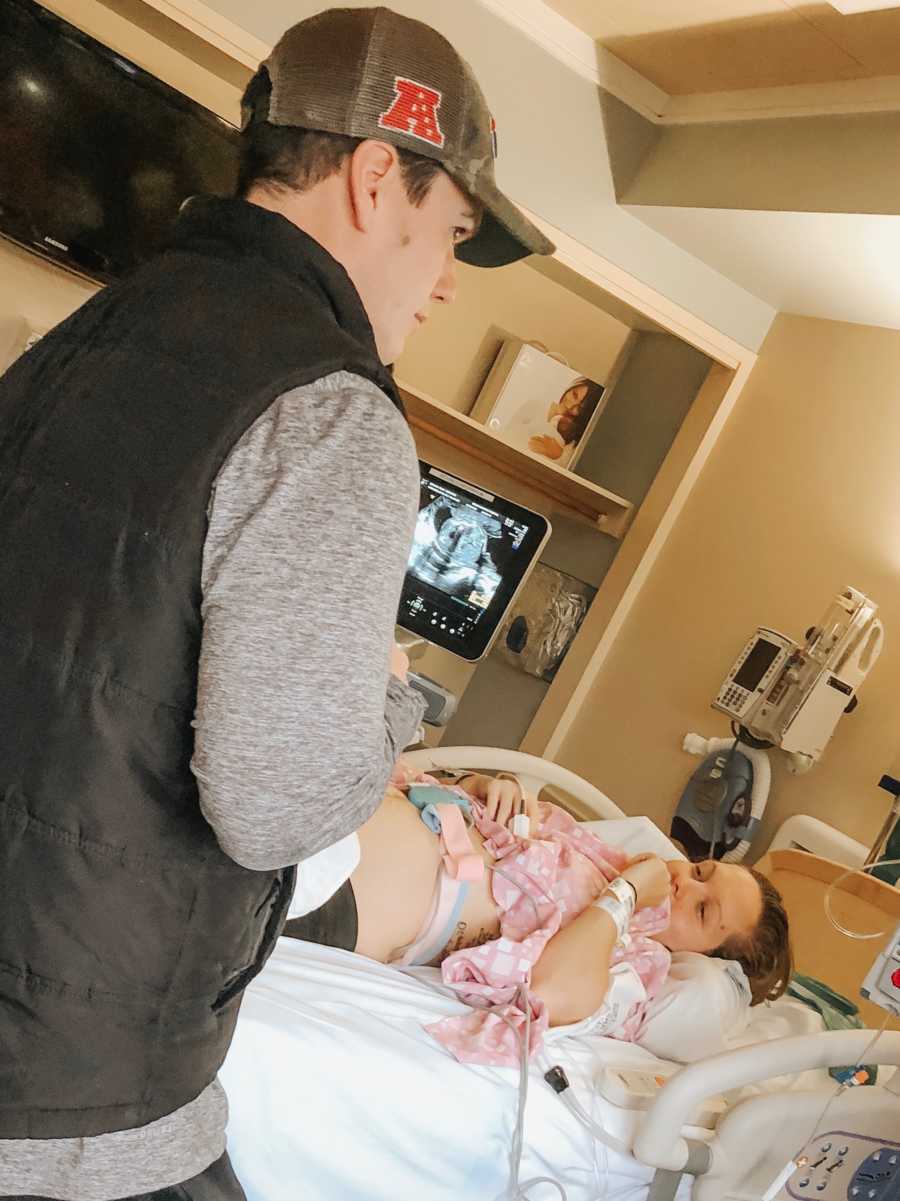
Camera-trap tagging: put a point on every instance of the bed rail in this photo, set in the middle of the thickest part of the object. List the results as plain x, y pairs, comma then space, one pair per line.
659, 1142
532, 772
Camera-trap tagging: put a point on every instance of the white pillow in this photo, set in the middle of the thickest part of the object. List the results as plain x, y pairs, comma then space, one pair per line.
635, 836
704, 1002
702, 1005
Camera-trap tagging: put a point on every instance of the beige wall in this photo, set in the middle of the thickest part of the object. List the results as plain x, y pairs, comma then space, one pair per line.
800, 497
450, 358
39, 292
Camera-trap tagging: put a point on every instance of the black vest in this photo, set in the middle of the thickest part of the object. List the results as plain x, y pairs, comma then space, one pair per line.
126, 935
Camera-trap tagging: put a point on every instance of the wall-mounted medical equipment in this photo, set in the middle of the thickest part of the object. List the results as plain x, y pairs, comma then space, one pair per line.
722, 805
882, 984
472, 551
778, 694
787, 695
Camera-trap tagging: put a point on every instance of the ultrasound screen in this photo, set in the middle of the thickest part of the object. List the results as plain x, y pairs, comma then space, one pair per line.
471, 551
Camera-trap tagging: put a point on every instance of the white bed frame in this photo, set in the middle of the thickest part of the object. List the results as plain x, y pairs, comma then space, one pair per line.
531, 772
757, 1137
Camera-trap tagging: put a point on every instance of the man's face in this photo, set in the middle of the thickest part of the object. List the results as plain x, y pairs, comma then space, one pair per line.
414, 262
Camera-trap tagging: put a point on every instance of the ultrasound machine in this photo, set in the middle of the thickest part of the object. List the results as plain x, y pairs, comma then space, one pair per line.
472, 552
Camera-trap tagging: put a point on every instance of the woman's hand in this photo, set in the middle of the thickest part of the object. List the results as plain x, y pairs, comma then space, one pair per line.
502, 798
404, 773
650, 878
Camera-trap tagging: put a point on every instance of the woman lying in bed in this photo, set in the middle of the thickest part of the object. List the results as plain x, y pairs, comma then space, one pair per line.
547, 913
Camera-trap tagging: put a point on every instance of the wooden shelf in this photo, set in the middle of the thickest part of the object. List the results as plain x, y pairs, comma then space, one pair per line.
568, 493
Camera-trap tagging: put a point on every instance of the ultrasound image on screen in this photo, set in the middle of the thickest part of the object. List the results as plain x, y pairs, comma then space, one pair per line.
461, 547
471, 551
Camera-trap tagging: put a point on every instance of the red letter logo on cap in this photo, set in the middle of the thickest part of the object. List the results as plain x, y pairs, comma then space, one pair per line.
414, 111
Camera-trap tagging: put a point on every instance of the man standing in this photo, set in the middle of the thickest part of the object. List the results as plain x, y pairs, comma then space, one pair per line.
207, 498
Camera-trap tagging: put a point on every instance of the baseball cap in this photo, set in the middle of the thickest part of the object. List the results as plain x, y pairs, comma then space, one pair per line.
372, 73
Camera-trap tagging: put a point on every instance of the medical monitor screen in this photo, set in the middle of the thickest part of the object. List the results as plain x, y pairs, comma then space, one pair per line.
756, 664
96, 154
471, 552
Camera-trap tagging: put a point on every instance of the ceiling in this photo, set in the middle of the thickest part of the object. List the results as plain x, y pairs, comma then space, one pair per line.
829, 261
835, 266
691, 46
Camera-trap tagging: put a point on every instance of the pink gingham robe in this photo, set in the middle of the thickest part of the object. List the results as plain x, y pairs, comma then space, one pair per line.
547, 881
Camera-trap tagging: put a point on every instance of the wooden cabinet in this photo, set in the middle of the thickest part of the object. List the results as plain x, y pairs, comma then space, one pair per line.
560, 490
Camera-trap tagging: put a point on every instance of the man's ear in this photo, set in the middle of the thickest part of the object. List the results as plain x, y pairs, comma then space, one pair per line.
372, 169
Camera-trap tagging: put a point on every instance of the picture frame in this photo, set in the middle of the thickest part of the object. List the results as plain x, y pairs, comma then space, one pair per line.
539, 404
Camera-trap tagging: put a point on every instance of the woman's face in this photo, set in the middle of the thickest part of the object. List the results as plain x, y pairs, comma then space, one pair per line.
569, 402
711, 903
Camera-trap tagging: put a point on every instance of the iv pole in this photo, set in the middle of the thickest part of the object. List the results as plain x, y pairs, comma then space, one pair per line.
891, 785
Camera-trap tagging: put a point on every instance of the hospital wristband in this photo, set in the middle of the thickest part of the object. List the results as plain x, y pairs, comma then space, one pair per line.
618, 900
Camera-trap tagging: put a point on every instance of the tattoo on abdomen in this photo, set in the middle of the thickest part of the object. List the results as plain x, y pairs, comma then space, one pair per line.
459, 939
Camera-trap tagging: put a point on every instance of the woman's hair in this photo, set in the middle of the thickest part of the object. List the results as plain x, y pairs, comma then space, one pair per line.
765, 953
571, 426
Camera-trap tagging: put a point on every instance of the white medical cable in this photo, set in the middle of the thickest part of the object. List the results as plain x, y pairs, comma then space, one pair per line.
516, 1191
575, 1107
855, 934
565, 1094
563, 1090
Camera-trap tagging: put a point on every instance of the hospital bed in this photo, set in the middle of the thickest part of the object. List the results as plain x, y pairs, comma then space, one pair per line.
337, 1093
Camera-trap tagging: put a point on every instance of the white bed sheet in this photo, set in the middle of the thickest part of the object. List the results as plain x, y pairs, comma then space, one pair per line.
336, 1093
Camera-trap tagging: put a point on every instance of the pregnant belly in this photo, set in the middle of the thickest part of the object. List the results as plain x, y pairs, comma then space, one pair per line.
395, 883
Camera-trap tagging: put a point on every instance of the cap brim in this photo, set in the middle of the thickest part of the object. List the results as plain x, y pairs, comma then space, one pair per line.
504, 236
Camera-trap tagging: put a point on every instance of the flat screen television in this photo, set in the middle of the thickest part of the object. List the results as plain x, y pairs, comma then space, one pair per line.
96, 154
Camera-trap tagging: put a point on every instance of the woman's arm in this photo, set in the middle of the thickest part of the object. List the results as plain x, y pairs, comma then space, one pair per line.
572, 975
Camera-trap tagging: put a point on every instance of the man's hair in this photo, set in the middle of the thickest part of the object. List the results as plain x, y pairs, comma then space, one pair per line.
286, 158
765, 953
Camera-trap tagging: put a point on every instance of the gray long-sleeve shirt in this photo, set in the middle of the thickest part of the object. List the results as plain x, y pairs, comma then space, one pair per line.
298, 721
